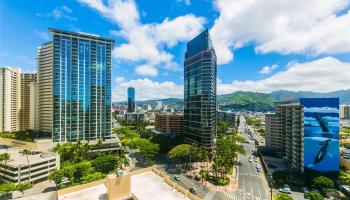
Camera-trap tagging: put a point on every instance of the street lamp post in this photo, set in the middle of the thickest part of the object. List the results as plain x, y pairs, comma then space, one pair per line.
271, 184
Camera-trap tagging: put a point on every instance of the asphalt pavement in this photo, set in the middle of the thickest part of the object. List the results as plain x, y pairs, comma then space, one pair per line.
250, 182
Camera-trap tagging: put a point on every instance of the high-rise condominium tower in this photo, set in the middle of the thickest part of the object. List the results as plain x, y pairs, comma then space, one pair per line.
74, 83
10, 95
131, 99
24, 112
200, 91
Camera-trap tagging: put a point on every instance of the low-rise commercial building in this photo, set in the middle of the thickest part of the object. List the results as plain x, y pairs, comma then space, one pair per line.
34, 167
170, 123
226, 116
134, 117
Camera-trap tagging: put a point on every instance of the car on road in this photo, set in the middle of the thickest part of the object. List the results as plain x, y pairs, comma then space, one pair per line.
258, 168
286, 189
248, 196
305, 190
193, 191
176, 178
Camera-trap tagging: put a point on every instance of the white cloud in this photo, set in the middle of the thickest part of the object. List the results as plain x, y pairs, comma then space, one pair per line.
119, 79
44, 35
146, 70
268, 69
307, 27
147, 89
323, 75
146, 43
315, 76
58, 13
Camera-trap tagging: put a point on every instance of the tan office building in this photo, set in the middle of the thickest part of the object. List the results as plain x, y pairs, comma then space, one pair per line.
170, 123
24, 112
45, 77
10, 94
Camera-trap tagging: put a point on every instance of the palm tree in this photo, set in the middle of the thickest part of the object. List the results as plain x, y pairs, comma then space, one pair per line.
27, 152
23, 186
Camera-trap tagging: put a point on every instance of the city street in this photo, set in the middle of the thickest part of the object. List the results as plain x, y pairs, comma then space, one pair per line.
250, 182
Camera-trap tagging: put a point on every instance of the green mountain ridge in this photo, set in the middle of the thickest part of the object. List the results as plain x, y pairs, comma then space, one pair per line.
254, 101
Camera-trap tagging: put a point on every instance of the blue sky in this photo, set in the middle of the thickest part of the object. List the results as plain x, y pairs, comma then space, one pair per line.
261, 47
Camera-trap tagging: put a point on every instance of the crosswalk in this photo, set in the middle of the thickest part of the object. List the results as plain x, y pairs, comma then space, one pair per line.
233, 196
241, 196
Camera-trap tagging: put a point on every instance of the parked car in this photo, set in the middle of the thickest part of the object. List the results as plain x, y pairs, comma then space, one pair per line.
286, 189
193, 191
272, 166
176, 178
305, 190
250, 159
256, 159
248, 196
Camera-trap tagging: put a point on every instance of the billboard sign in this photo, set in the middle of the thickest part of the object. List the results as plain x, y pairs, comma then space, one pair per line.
321, 134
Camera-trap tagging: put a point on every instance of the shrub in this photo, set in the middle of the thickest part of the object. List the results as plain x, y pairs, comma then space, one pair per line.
313, 196
283, 196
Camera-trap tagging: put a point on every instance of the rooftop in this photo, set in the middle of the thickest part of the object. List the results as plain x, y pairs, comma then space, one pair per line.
81, 34
18, 158
156, 188
98, 192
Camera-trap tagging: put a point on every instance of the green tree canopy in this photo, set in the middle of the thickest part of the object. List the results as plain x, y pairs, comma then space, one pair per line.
223, 127
183, 153
57, 177
7, 187
105, 164
323, 182
225, 154
92, 177
147, 149
313, 196
23, 186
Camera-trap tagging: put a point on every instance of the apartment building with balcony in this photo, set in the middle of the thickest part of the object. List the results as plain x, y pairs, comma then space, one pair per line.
74, 84
10, 99
284, 132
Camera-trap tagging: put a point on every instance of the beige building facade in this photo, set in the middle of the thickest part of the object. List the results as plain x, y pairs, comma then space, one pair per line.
10, 94
24, 115
285, 132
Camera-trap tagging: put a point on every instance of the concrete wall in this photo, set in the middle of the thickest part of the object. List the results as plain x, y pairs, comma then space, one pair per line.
79, 187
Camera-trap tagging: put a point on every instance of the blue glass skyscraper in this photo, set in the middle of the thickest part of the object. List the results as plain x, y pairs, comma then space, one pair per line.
200, 72
80, 89
131, 99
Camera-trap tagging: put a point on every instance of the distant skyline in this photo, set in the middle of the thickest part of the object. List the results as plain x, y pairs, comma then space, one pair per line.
261, 45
